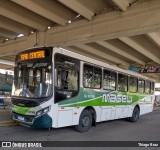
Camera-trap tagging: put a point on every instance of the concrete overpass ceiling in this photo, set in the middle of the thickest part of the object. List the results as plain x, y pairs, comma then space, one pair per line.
89, 54
110, 52
8, 58
14, 26
141, 44
154, 37
119, 32
22, 15
7, 33
123, 49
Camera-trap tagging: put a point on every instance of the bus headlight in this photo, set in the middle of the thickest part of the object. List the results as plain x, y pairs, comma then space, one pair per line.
43, 111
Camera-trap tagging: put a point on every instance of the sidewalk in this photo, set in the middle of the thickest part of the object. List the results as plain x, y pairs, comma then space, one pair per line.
5, 117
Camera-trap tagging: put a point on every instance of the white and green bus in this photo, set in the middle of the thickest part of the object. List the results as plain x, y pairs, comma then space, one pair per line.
54, 88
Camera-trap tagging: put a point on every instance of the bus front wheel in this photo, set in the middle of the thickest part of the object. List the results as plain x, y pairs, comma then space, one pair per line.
135, 115
85, 121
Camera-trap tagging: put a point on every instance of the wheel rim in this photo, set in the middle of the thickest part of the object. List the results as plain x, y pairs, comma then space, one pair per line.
85, 121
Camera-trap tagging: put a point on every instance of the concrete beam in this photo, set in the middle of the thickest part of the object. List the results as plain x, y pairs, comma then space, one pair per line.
22, 15
138, 19
79, 8
122, 4
88, 54
48, 9
14, 26
155, 37
140, 48
120, 51
102, 54
7, 34
14, 46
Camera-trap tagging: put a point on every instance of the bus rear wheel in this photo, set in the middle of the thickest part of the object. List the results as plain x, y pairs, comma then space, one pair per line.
85, 122
135, 115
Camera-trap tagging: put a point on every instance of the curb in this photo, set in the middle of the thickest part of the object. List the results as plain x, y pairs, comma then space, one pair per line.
8, 123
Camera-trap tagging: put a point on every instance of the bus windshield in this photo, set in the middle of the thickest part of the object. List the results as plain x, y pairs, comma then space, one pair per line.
32, 80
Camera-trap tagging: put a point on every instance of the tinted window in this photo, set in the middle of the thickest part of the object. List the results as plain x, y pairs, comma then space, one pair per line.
141, 86
109, 80
133, 82
122, 82
92, 76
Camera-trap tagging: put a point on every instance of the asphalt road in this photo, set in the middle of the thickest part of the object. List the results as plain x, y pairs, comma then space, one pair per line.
146, 129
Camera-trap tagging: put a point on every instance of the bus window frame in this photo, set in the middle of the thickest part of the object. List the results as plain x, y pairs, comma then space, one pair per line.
113, 71
152, 92
78, 87
149, 87
117, 81
96, 66
129, 84
141, 79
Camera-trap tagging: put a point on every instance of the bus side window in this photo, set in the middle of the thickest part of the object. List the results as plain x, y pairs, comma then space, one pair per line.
88, 76
67, 79
141, 86
152, 87
133, 84
92, 77
66, 76
147, 87
122, 82
109, 80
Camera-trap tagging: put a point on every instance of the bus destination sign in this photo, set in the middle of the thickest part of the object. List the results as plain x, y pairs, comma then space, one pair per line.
33, 55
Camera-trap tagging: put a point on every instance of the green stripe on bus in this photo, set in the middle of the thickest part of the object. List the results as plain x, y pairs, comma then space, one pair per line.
20, 110
82, 99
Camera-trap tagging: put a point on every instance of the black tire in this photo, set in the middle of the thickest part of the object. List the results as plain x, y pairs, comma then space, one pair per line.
135, 115
85, 121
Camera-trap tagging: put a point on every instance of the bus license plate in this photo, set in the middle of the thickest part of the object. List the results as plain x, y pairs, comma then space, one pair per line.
21, 118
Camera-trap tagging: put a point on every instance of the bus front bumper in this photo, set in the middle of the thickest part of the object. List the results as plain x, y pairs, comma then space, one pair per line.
44, 121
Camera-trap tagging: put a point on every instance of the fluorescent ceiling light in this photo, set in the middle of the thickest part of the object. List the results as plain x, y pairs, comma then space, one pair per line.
20, 35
